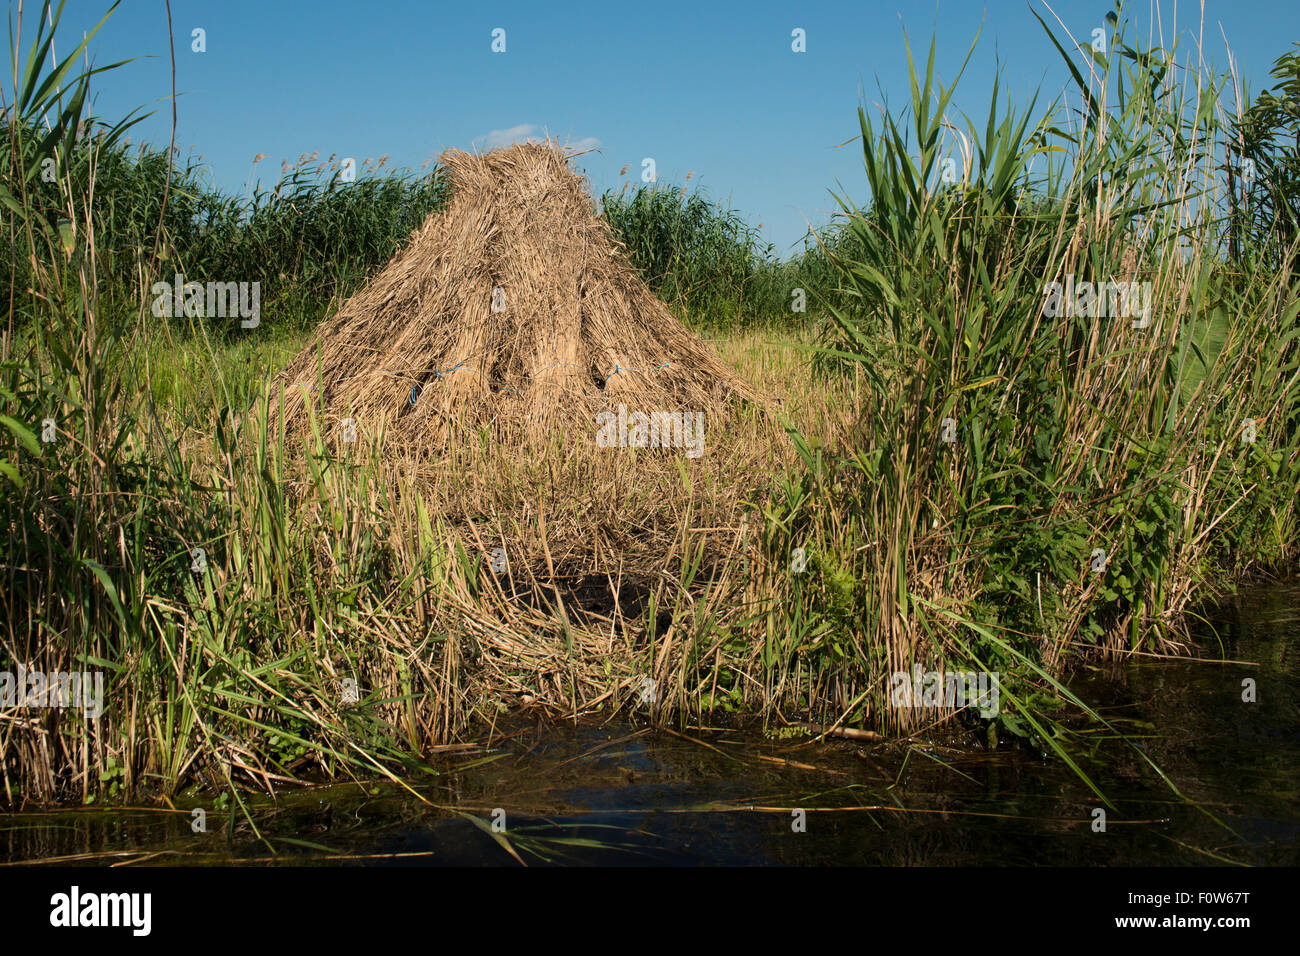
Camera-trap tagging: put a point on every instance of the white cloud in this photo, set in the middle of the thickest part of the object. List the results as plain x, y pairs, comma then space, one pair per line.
529, 133
505, 137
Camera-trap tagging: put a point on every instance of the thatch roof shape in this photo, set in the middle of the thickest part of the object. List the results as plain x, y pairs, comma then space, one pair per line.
514, 305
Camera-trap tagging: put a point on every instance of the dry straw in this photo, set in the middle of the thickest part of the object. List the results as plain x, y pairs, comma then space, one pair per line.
515, 307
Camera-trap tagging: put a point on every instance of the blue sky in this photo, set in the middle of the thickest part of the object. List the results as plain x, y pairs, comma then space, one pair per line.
712, 88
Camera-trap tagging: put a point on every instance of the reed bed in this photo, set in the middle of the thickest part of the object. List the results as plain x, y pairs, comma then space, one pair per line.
272, 605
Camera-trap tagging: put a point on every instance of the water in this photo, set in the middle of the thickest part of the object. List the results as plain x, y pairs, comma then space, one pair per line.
621, 794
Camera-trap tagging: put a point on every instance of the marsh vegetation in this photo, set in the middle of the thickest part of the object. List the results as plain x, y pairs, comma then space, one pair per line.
1168, 446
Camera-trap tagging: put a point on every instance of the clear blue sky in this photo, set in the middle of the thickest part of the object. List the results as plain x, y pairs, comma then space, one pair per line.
707, 87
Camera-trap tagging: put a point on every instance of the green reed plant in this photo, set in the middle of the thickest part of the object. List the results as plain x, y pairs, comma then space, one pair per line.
308, 240
697, 256
1066, 481
1263, 169
121, 554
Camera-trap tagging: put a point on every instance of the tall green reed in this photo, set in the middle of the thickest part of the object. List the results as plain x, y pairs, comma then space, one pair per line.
1064, 481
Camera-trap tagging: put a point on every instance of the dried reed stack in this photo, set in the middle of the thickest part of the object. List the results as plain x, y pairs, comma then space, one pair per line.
513, 306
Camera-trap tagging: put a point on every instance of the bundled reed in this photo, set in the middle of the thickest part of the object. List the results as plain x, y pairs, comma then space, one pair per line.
513, 307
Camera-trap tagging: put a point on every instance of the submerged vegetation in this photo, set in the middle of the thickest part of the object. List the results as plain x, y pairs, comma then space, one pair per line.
970, 482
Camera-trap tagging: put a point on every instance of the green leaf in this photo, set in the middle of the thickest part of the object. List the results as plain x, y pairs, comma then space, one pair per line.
22, 433
109, 588
10, 472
